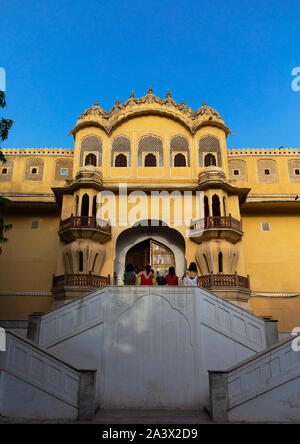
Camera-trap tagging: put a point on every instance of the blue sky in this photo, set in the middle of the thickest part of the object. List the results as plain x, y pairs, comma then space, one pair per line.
61, 55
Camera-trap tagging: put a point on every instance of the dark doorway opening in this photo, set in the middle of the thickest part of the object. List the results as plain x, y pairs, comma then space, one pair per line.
209, 160
216, 205
121, 160
85, 205
91, 159
150, 160
150, 252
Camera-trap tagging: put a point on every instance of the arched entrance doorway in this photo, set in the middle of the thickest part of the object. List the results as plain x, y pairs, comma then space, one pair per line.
157, 243
152, 252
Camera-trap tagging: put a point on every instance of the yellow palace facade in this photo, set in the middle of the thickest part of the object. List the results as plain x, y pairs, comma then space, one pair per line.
151, 181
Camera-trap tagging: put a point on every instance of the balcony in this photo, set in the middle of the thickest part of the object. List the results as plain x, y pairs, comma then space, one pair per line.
80, 280
216, 227
223, 280
84, 227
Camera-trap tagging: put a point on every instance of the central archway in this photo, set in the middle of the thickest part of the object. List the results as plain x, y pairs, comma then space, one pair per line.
140, 239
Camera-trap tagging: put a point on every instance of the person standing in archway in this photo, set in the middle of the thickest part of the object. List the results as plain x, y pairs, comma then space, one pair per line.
191, 278
146, 276
171, 277
129, 275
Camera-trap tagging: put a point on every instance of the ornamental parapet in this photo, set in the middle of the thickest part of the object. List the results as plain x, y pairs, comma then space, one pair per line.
223, 280
216, 227
80, 280
84, 227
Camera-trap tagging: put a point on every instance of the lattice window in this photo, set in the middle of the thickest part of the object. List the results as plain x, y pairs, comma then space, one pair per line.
209, 144
34, 169
63, 169
267, 171
91, 144
150, 144
120, 144
179, 144
9, 167
294, 170
238, 170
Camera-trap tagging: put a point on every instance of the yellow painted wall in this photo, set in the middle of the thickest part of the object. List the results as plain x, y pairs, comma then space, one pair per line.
284, 310
21, 306
29, 258
272, 258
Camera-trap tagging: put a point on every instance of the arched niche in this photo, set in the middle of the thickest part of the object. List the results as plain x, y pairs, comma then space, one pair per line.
160, 233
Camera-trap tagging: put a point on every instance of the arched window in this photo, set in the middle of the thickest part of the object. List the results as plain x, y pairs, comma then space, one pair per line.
149, 145
91, 159
206, 262
69, 263
209, 144
80, 261
216, 205
179, 160
206, 207
120, 144
94, 210
91, 144
150, 160
209, 160
224, 206
94, 263
121, 160
76, 205
85, 205
179, 145
220, 262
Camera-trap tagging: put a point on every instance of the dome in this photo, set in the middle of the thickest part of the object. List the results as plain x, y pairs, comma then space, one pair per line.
207, 112
95, 109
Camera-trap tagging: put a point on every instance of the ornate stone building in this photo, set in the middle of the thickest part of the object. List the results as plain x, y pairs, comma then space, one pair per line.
240, 209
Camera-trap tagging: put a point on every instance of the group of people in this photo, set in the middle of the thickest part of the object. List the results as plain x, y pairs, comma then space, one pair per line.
148, 277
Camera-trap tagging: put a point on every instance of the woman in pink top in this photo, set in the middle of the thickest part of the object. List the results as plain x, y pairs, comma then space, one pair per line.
146, 276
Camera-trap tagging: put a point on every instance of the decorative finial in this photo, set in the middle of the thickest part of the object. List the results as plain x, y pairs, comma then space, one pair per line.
168, 94
150, 90
117, 101
182, 102
132, 95
96, 103
204, 104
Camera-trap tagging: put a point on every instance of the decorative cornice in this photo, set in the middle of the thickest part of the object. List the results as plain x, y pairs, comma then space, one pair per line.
39, 151
26, 194
149, 104
262, 151
275, 295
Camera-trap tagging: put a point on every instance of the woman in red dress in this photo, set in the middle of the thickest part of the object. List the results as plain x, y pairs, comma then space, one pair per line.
146, 276
171, 278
